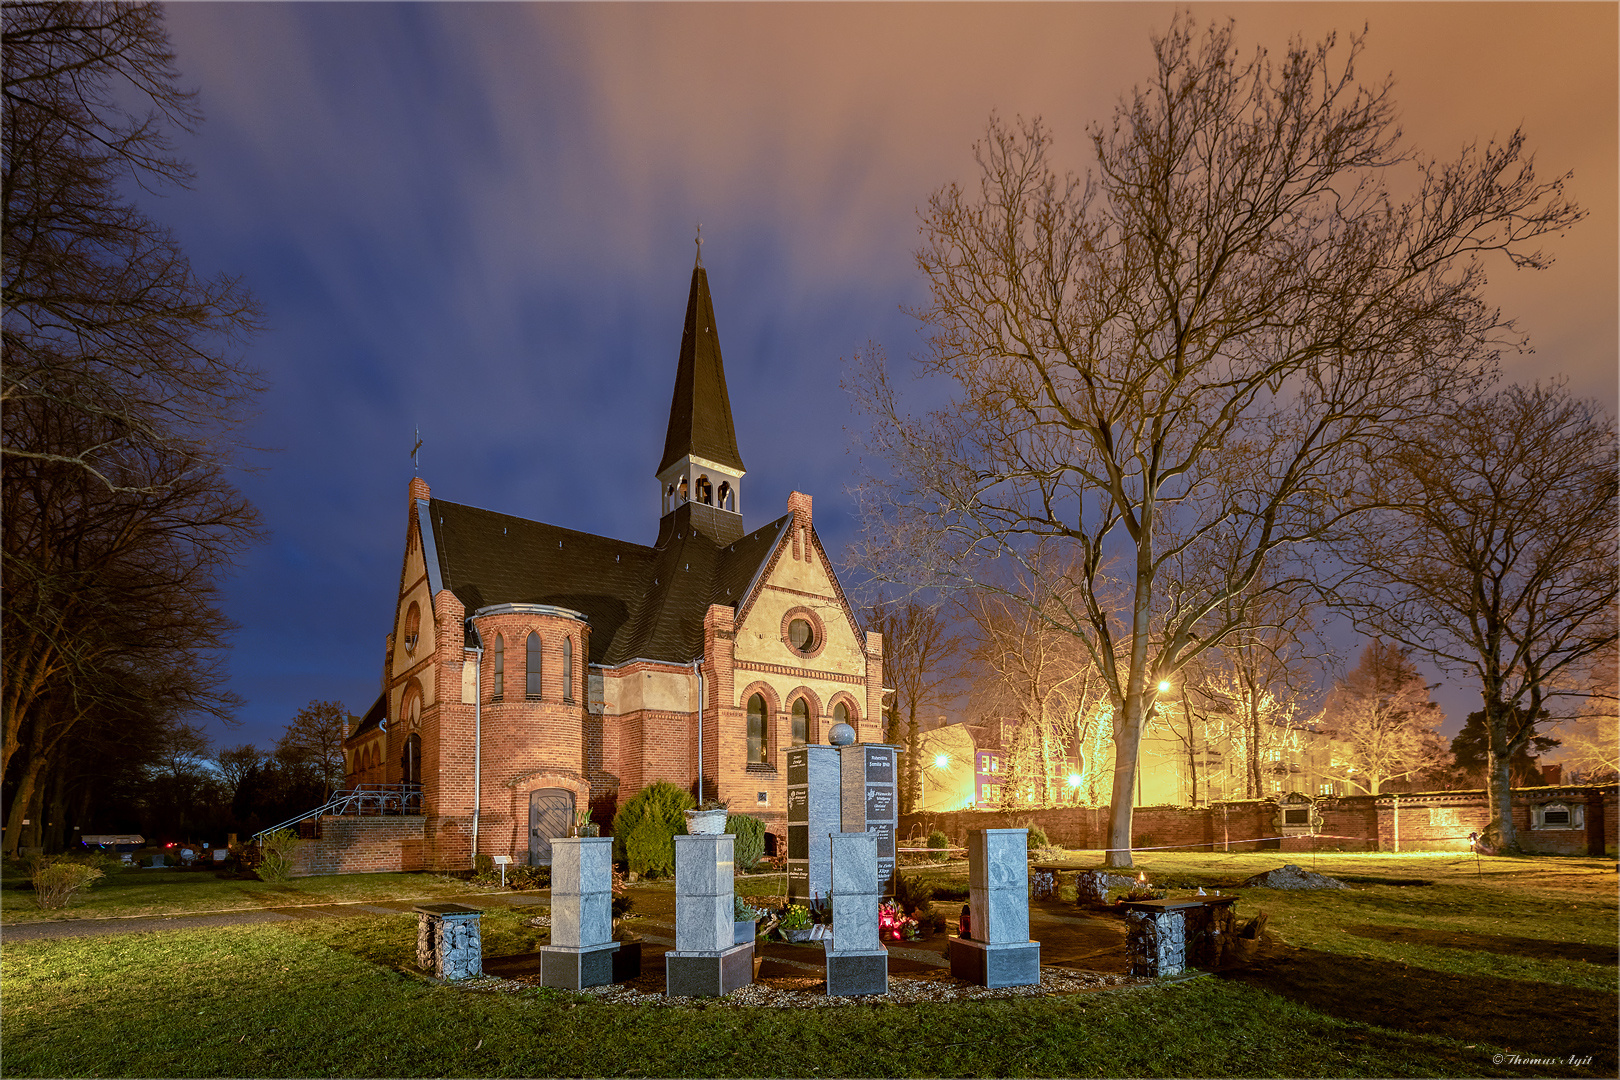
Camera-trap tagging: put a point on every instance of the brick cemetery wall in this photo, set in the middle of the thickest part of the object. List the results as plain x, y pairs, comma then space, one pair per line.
1428, 821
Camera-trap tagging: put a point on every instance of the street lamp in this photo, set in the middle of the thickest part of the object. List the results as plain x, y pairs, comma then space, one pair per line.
941, 761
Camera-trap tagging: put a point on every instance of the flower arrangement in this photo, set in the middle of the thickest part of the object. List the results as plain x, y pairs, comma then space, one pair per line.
796, 917
896, 925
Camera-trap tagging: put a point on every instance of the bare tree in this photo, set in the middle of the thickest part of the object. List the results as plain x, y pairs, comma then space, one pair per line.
1185, 361
1039, 679
122, 387
1382, 716
314, 739
921, 653
1500, 561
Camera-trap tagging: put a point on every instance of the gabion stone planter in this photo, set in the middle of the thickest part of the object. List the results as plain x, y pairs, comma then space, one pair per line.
448, 941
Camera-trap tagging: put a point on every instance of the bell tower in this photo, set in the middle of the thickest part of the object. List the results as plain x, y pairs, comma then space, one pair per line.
701, 467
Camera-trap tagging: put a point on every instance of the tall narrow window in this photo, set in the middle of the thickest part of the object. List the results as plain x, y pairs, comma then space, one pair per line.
801, 722
498, 652
756, 730
531, 668
568, 669
840, 713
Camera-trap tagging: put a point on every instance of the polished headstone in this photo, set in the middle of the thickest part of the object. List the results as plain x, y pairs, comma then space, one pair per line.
814, 809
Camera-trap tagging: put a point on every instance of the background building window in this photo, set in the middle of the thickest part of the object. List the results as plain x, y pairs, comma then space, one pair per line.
756, 730
801, 722
568, 669
531, 668
498, 651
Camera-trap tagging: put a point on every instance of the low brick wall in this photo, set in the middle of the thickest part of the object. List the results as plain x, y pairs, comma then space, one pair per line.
356, 845
1426, 821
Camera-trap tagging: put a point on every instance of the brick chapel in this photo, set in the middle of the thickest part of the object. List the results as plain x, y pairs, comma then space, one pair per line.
534, 671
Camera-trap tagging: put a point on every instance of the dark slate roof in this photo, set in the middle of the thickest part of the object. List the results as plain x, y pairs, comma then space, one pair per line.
700, 410
642, 602
374, 716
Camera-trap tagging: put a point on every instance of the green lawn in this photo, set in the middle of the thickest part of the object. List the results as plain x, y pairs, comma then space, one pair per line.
133, 893
1495, 958
297, 1000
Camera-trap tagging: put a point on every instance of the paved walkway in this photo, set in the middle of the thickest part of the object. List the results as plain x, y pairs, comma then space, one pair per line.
38, 931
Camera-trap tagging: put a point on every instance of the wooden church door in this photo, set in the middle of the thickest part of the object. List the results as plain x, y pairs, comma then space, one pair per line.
551, 814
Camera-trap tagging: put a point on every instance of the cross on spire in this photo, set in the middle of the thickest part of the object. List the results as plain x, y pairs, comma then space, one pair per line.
700, 244
416, 466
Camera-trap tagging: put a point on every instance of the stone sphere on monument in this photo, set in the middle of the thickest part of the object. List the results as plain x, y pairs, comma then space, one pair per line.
841, 735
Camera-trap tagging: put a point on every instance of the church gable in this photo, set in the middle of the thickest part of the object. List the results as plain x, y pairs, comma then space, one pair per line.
414, 627
799, 586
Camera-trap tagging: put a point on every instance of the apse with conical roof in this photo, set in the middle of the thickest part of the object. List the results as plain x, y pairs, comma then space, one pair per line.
701, 467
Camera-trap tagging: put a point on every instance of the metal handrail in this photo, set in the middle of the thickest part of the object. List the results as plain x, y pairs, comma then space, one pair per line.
361, 800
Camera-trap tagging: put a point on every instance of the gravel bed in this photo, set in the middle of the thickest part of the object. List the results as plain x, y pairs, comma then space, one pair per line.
807, 992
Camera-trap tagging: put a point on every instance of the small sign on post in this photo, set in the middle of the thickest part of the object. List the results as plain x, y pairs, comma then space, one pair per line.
501, 861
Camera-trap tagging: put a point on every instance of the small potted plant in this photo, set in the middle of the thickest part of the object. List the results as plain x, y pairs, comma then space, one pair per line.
708, 818
795, 923
583, 825
744, 915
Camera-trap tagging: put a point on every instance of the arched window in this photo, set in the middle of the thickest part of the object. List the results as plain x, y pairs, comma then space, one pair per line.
840, 713
705, 491
756, 730
724, 499
531, 668
568, 669
498, 653
801, 722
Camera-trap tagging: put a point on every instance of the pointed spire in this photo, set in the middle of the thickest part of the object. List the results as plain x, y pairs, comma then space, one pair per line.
700, 410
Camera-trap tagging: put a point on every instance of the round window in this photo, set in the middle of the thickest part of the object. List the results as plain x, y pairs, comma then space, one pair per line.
801, 635
413, 627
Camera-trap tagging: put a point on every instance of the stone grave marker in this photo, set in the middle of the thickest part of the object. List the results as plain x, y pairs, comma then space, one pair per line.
814, 810
857, 962
867, 789
705, 962
582, 945
1000, 952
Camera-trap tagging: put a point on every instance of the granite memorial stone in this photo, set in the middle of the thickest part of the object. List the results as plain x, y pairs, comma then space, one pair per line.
1000, 952
705, 962
857, 962
582, 945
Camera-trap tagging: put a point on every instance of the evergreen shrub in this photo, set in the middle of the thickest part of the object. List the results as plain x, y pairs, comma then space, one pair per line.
644, 830
938, 839
749, 846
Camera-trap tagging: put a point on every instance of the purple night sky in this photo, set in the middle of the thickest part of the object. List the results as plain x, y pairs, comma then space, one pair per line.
478, 219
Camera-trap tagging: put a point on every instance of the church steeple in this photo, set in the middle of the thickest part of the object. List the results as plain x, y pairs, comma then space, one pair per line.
701, 464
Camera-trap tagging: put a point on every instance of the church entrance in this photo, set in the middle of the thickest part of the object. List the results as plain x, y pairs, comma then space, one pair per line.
551, 814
